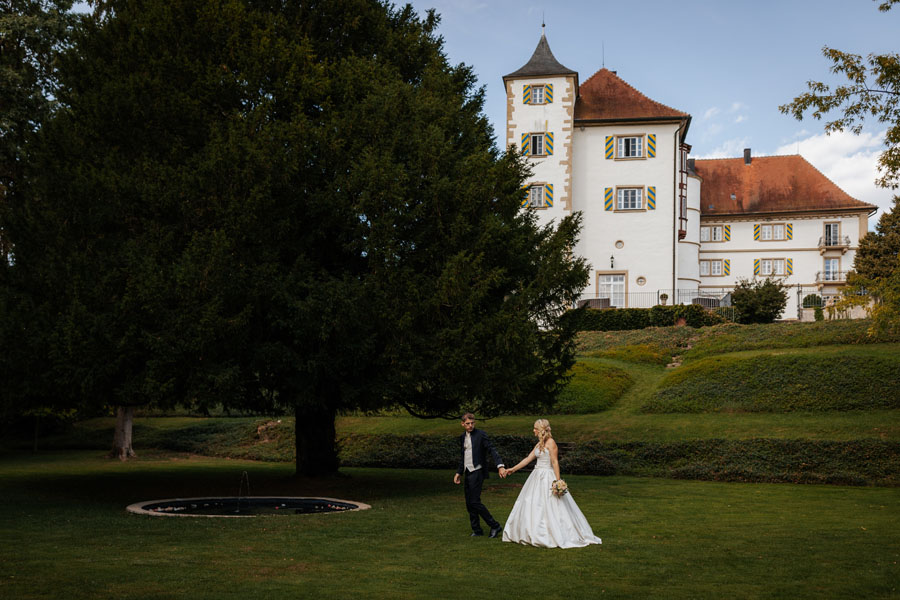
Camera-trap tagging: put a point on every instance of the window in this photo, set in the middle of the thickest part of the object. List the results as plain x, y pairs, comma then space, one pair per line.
832, 269
631, 147
771, 266
772, 232
536, 196
612, 287
537, 144
832, 234
710, 268
713, 233
630, 199
537, 94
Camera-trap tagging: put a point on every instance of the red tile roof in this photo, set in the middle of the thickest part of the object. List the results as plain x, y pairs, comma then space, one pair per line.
769, 184
606, 96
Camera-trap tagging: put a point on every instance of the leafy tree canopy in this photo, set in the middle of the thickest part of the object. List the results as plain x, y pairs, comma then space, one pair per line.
872, 91
293, 205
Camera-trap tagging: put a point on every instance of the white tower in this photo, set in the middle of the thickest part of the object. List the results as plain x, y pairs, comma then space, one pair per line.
540, 112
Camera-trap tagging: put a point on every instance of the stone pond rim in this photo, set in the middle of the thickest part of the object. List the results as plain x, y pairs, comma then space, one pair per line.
243, 506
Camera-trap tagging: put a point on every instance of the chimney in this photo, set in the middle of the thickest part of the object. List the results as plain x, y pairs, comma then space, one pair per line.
691, 165
747, 158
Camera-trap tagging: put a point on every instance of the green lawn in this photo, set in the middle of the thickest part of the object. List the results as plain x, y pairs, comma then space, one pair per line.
66, 535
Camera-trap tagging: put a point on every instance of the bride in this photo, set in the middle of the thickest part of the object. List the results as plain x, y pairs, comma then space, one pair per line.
540, 517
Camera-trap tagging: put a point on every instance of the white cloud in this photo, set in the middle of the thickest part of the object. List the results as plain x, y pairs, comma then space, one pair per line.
850, 161
740, 119
711, 112
737, 106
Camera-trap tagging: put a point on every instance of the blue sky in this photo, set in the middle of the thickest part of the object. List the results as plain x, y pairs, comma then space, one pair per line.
728, 63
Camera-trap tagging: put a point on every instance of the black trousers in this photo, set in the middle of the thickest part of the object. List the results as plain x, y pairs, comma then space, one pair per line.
473, 482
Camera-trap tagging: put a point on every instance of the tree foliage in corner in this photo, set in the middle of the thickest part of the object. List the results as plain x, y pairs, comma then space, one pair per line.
292, 205
872, 91
876, 270
759, 301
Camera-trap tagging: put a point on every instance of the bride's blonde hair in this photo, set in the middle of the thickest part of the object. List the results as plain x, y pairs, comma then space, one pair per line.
543, 432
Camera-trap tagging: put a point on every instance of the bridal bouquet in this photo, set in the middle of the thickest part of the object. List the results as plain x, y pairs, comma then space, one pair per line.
559, 488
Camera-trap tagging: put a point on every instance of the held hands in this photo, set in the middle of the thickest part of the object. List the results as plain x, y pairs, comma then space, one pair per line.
504, 473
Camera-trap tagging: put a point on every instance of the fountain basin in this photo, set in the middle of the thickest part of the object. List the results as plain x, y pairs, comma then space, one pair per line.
243, 506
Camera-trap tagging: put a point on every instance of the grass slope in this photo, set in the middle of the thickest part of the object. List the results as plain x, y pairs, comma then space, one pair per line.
66, 535
823, 379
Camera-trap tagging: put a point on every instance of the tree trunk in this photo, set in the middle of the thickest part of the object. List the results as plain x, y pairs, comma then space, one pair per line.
315, 436
122, 439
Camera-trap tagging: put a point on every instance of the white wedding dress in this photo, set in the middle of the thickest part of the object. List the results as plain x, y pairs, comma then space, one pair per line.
541, 519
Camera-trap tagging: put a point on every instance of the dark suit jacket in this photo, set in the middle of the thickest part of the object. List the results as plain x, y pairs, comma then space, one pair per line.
481, 448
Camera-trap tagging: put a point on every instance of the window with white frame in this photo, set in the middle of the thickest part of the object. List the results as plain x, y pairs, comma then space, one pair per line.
711, 233
612, 286
711, 268
537, 144
832, 234
536, 197
537, 94
631, 146
771, 266
832, 269
630, 199
771, 232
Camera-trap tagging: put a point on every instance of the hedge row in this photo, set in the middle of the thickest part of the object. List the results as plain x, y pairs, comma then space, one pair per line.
858, 462
621, 319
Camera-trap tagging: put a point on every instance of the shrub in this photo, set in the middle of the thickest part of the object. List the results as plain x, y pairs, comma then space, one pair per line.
812, 300
594, 387
759, 301
622, 319
817, 314
855, 462
782, 383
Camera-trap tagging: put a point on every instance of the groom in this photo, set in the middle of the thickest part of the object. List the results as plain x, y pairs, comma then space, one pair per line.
472, 467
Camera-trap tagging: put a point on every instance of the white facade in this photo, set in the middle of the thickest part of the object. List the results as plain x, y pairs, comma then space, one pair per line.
620, 159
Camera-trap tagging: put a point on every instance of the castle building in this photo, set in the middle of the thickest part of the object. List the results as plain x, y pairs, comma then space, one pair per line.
658, 226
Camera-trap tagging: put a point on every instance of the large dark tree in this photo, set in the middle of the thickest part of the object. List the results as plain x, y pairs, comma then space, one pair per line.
260, 204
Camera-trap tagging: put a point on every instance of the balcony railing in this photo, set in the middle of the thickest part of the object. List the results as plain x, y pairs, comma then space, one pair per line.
834, 241
831, 276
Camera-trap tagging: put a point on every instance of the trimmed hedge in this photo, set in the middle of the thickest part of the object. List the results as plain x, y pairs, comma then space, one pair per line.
781, 383
857, 462
622, 319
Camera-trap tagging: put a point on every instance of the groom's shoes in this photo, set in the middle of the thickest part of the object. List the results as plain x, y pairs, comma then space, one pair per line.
477, 533
495, 531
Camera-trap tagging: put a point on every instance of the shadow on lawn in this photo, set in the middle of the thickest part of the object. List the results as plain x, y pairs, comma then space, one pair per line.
100, 480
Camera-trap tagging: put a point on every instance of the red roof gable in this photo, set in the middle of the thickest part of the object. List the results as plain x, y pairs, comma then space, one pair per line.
769, 184
606, 96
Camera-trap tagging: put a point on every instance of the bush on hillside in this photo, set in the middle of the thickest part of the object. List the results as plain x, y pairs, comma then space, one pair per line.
858, 462
623, 319
812, 301
781, 383
759, 301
